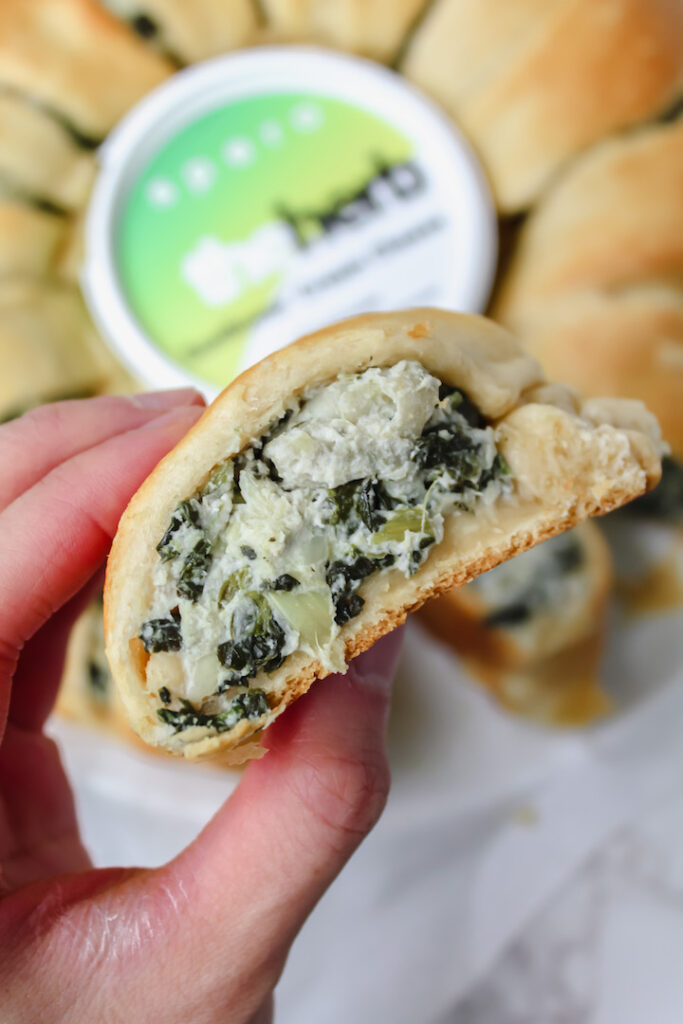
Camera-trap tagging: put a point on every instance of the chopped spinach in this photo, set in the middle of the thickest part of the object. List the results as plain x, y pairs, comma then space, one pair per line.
513, 614
98, 679
235, 582
144, 26
371, 502
418, 556
194, 571
161, 635
220, 475
344, 580
259, 453
256, 644
238, 464
456, 400
447, 445
499, 468
248, 552
285, 582
165, 695
362, 501
568, 556
187, 513
245, 705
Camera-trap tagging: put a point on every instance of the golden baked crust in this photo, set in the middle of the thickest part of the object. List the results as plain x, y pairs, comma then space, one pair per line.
76, 58
613, 221
566, 468
30, 238
595, 286
542, 81
624, 344
373, 28
193, 30
48, 348
563, 690
459, 617
39, 158
77, 699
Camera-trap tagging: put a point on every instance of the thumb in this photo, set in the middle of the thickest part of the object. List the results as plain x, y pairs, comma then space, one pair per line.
205, 937
257, 870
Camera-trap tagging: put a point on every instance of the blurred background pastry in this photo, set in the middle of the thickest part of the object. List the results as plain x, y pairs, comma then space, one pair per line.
371, 28
532, 630
535, 82
87, 694
594, 285
188, 32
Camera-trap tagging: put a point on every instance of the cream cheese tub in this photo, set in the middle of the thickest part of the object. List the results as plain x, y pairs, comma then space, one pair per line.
263, 195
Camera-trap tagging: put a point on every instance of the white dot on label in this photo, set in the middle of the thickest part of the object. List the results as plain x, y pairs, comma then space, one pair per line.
161, 192
271, 133
239, 152
307, 117
199, 174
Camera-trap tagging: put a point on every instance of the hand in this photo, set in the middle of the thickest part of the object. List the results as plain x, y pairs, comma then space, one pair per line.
204, 938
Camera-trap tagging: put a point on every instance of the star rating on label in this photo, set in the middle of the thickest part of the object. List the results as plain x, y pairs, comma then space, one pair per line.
163, 193
307, 118
199, 174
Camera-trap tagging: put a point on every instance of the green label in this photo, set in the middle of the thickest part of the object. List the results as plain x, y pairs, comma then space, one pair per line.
228, 223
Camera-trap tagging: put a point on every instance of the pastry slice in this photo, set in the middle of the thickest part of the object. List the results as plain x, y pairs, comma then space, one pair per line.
190, 31
77, 59
48, 347
628, 344
612, 222
38, 156
87, 693
373, 28
329, 491
531, 629
563, 690
533, 84
595, 284
30, 238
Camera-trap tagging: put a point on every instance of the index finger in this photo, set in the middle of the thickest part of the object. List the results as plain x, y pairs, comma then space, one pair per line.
31, 446
54, 537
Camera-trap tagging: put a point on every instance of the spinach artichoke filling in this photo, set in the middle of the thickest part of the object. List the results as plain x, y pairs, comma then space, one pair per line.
544, 578
271, 556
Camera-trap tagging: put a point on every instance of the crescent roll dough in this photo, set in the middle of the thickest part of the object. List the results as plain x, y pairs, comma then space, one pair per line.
190, 31
374, 28
38, 156
535, 82
329, 491
30, 238
77, 59
594, 284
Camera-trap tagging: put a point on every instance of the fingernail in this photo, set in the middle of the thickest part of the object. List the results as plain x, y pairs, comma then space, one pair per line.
375, 669
162, 400
187, 414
